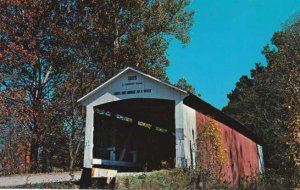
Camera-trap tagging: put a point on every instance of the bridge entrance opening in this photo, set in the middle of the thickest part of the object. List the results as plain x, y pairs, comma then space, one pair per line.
134, 135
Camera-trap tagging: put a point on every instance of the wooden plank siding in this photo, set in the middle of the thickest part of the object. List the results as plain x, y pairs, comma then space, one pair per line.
131, 87
241, 152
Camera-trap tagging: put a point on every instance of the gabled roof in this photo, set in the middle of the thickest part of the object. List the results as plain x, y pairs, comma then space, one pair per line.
205, 108
123, 72
191, 101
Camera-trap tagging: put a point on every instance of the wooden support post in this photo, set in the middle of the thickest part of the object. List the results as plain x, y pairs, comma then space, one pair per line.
125, 145
113, 129
134, 156
112, 153
179, 131
89, 130
86, 179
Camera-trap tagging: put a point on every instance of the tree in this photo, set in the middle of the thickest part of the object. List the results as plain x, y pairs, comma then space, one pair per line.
239, 97
269, 102
105, 37
117, 34
14, 133
184, 85
30, 66
54, 52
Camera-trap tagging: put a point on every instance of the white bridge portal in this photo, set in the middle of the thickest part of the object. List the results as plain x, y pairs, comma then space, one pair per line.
163, 126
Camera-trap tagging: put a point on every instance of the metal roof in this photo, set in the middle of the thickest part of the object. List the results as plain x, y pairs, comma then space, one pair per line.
207, 109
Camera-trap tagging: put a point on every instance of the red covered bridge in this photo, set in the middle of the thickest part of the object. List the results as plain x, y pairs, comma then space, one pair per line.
135, 122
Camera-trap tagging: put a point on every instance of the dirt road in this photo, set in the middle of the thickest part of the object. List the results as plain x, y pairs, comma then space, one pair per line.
16, 180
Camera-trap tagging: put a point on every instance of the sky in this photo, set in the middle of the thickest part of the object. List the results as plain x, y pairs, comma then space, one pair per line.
226, 41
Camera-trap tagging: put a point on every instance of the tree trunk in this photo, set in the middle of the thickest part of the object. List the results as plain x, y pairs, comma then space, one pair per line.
71, 163
73, 155
34, 148
34, 155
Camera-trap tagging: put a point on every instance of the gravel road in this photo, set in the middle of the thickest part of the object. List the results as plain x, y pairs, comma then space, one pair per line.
8, 181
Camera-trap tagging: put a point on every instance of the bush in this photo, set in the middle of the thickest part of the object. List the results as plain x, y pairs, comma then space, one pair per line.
191, 179
163, 179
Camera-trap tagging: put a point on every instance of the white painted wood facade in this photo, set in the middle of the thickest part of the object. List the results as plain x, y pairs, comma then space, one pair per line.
131, 84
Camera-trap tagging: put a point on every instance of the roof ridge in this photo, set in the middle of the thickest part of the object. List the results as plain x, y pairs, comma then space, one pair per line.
122, 72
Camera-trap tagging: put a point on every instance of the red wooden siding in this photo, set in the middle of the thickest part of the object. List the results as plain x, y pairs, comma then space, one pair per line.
242, 154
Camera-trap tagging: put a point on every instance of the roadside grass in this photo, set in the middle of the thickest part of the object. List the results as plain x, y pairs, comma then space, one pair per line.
52, 185
162, 179
189, 179
175, 179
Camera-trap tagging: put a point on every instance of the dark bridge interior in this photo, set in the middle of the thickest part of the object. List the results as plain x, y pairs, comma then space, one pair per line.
135, 134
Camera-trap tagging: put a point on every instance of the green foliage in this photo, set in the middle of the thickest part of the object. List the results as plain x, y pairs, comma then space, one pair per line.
163, 179
269, 103
210, 143
191, 179
104, 38
112, 35
176, 179
54, 52
30, 67
211, 154
184, 85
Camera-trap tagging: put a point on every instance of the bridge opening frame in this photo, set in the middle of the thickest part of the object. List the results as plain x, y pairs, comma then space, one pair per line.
134, 135
115, 100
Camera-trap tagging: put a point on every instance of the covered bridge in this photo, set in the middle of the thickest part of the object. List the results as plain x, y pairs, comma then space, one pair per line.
135, 122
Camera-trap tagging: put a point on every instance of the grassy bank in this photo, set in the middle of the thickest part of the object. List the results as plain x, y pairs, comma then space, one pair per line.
163, 179
176, 179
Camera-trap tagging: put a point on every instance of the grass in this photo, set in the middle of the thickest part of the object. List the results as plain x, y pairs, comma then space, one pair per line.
163, 179
173, 179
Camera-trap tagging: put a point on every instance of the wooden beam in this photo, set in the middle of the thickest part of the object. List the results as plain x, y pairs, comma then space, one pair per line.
114, 163
100, 172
